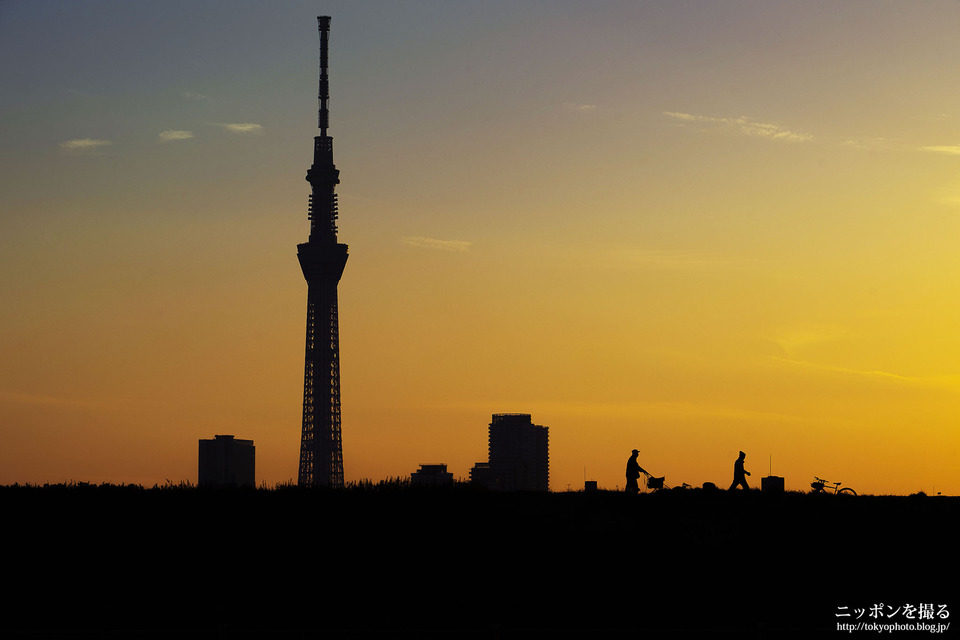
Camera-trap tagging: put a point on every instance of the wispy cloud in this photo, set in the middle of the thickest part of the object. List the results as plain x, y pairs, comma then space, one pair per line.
662, 410
19, 398
950, 150
661, 260
241, 127
433, 243
870, 143
797, 343
745, 126
173, 134
950, 382
578, 107
193, 95
948, 194
798, 337
82, 145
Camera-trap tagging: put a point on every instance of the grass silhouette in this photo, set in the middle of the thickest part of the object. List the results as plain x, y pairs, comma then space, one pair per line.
389, 559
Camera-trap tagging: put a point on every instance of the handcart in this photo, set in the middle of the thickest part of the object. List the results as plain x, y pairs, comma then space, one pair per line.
656, 484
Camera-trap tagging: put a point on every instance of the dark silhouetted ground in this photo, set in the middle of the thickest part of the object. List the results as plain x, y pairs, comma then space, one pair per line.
392, 562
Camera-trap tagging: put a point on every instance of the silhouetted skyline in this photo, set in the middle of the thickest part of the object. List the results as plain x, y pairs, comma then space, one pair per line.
691, 229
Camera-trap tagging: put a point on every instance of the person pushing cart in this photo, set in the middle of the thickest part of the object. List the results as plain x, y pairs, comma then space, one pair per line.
633, 472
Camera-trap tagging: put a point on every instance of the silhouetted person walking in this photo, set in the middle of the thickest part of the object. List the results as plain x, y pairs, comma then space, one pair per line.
633, 472
739, 474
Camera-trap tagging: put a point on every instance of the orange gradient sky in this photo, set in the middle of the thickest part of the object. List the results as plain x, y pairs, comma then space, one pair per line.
684, 227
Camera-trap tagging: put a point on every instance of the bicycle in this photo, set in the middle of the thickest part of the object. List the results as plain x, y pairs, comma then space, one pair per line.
820, 485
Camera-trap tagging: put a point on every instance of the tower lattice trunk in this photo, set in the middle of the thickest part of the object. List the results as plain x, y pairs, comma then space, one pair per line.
322, 260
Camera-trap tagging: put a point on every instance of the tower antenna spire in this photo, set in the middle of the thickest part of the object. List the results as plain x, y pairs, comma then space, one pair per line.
323, 119
322, 259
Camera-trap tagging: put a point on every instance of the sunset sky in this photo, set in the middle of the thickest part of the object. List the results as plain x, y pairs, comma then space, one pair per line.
690, 228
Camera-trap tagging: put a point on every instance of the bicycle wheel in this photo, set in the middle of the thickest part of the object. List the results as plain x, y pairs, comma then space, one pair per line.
846, 491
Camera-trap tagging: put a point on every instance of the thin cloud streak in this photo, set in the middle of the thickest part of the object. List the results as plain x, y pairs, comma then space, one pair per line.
14, 397
745, 126
172, 134
875, 142
84, 144
193, 95
671, 260
799, 337
949, 383
456, 246
950, 150
241, 127
580, 108
664, 410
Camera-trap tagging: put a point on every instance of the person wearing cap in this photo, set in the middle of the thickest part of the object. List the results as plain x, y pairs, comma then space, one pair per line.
633, 472
739, 474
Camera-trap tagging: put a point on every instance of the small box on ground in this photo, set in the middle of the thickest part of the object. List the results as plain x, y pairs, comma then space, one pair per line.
772, 484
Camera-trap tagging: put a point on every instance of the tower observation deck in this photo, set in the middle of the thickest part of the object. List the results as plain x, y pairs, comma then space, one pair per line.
322, 260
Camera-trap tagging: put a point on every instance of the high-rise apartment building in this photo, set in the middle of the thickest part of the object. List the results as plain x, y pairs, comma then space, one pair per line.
519, 458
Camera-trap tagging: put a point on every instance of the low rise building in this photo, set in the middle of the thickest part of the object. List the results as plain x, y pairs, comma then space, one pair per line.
226, 461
